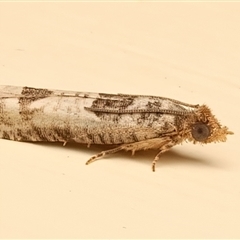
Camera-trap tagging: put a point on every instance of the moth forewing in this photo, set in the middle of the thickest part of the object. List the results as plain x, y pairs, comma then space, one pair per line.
132, 122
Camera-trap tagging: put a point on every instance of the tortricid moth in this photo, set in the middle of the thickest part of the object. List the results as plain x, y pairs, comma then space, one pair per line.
124, 122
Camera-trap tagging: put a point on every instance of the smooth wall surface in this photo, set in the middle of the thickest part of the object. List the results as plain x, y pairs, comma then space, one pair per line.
186, 51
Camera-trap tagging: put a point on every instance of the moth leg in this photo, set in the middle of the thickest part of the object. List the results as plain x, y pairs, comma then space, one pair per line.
103, 153
156, 143
163, 149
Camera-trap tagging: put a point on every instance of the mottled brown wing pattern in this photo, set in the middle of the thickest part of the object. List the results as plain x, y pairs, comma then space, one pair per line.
132, 122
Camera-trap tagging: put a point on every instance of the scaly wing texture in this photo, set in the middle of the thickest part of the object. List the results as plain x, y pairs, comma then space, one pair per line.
31, 114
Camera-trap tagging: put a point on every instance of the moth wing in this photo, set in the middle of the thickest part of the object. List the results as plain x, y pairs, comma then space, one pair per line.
10, 92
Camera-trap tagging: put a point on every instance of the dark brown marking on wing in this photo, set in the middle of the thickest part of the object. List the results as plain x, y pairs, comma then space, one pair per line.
135, 138
108, 103
90, 137
29, 95
101, 138
6, 135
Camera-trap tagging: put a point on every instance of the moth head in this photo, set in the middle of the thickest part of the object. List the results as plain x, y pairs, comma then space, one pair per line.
206, 128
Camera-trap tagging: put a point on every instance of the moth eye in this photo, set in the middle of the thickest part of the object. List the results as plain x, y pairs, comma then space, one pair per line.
200, 131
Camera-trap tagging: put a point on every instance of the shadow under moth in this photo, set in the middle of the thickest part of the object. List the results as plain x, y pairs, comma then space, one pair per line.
124, 122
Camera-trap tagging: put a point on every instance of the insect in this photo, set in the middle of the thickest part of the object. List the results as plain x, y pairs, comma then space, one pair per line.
124, 122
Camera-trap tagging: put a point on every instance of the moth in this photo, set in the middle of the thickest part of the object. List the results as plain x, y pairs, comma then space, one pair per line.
122, 121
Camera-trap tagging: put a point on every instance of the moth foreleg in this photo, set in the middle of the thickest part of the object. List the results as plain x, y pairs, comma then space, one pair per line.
163, 144
163, 149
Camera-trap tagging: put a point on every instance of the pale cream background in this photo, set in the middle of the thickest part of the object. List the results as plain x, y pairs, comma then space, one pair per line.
187, 51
